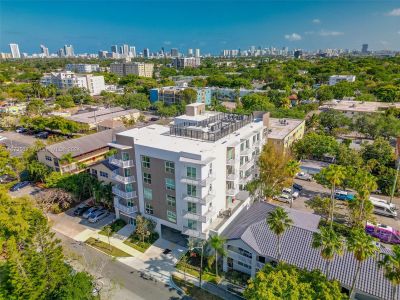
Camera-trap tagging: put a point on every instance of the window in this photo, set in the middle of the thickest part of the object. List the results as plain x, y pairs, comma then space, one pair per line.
149, 209
170, 167
129, 187
192, 224
127, 172
103, 174
148, 193
147, 178
48, 158
125, 156
171, 216
94, 172
146, 162
171, 201
191, 190
191, 172
170, 184
192, 207
243, 265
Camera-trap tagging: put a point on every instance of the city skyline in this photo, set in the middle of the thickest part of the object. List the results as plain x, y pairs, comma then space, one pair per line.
294, 24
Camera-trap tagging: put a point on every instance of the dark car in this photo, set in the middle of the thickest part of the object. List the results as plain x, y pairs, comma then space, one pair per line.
19, 186
81, 209
297, 186
42, 135
154, 119
21, 130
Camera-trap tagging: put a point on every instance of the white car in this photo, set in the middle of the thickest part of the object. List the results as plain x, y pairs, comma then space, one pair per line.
283, 198
304, 176
2, 138
289, 191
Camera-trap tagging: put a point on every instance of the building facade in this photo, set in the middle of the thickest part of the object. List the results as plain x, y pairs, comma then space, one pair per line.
139, 69
186, 62
82, 68
172, 94
334, 79
284, 132
188, 177
14, 48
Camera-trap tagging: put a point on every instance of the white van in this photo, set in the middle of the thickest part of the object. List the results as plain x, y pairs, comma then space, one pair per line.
382, 207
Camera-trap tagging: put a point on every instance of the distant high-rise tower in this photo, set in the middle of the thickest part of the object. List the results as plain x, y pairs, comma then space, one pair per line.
61, 52
364, 48
15, 51
68, 50
44, 50
114, 49
146, 52
197, 53
132, 51
174, 52
190, 52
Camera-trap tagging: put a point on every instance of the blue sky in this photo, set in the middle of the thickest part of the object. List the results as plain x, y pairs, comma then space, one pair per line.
210, 25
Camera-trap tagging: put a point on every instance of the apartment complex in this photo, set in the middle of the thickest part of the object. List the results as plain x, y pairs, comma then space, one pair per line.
139, 69
82, 68
188, 177
251, 244
76, 155
284, 132
229, 94
186, 62
66, 80
334, 79
173, 94
351, 108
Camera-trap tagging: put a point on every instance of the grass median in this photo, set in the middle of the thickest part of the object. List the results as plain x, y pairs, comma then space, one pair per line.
106, 248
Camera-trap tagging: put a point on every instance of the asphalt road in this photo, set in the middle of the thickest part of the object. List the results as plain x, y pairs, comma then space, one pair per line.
118, 280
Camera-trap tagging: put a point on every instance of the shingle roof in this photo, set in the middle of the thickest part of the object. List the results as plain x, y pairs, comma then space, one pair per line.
82, 145
250, 226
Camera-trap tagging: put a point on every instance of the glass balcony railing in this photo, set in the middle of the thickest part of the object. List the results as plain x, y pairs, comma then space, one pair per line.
204, 218
194, 233
198, 181
197, 199
123, 179
124, 194
121, 163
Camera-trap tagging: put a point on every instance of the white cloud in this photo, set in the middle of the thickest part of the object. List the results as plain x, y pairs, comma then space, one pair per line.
293, 37
394, 13
316, 21
330, 33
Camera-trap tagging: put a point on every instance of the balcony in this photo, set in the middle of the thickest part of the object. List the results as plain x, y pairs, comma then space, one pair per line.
194, 232
197, 199
123, 194
231, 161
121, 163
238, 257
259, 265
130, 210
231, 192
231, 177
197, 216
198, 181
246, 152
123, 179
247, 165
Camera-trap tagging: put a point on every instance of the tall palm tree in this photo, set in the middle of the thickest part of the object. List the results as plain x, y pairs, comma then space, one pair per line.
278, 222
293, 167
330, 243
363, 246
391, 266
217, 243
334, 175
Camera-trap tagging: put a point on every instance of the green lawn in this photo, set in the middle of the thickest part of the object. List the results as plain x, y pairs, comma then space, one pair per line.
194, 271
106, 248
115, 227
193, 291
135, 242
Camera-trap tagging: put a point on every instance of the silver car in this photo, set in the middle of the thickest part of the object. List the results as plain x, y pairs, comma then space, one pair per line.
98, 215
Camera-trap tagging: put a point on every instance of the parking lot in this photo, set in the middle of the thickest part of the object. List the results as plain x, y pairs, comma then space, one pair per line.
17, 143
30, 190
312, 189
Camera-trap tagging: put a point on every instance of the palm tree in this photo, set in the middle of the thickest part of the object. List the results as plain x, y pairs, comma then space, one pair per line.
293, 167
217, 243
363, 246
334, 175
330, 243
278, 222
391, 266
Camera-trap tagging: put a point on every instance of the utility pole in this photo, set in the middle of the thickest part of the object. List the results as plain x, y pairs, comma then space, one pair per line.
395, 181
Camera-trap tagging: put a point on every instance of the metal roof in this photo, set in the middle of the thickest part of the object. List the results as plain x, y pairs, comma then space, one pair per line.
250, 226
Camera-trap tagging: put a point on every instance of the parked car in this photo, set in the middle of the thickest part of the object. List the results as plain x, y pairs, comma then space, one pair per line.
283, 198
42, 135
343, 195
384, 233
19, 186
6, 178
303, 176
297, 186
98, 215
382, 207
81, 209
87, 214
289, 191
21, 130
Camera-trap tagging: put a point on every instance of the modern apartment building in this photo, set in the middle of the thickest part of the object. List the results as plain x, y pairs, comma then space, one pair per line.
186, 62
284, 132
14, 48
68, 79
188, 177
82, 68
339, 78
69, 51
172, 94
44, 51
251, 244
139, 69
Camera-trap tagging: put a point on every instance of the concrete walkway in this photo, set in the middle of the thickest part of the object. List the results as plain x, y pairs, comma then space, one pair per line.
125, 232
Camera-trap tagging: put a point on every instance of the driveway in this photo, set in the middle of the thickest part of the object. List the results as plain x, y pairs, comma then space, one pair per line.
70, 225
29, 190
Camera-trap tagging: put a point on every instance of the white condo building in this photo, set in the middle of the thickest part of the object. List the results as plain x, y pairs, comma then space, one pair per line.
338, 78
82, 68
67, 80
188, 177
14, 48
